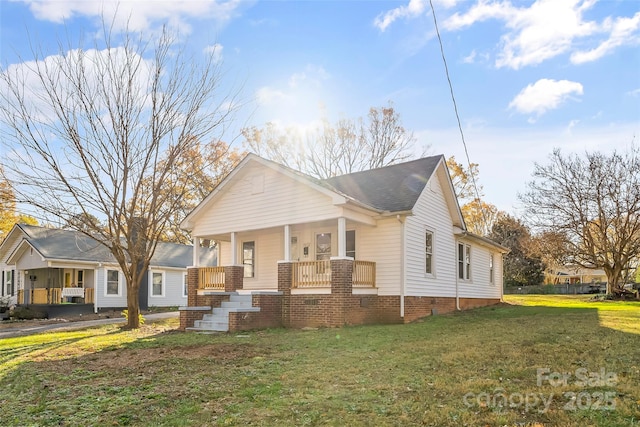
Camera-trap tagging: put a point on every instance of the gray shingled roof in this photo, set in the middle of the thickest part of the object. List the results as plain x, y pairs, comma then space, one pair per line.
55, 243
392, 188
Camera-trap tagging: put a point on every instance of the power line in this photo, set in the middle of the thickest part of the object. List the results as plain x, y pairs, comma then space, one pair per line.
455, 108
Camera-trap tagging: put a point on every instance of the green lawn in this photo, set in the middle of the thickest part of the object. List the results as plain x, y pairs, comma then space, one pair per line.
537, 361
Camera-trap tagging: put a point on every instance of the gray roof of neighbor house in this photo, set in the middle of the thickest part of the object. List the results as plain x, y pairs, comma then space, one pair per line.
392, 188
53, 243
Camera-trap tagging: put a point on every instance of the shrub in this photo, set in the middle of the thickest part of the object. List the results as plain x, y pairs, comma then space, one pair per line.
125, 313
26, 313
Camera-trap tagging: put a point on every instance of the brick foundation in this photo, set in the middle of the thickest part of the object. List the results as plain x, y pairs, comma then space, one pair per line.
417, 307
269, 316
188, 315
340, 307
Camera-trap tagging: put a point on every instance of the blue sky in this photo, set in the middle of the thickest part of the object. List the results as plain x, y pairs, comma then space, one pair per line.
528, 76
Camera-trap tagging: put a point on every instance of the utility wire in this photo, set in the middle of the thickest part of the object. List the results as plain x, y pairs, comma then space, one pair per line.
455, 108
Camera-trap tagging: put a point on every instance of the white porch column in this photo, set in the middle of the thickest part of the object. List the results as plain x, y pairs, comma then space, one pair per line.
342, 237
234, 249
287, 243
196, 251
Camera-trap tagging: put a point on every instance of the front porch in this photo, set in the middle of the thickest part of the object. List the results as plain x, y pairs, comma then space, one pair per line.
305, 275
326, 293
53, 296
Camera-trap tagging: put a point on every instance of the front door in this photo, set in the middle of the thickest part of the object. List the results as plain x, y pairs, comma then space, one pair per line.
323, 246
294, 249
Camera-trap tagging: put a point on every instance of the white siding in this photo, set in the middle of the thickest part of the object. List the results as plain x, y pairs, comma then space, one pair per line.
279, 200
268, 251
479, 285
173, 280
382, 244
109, 301
431, 213
30, 259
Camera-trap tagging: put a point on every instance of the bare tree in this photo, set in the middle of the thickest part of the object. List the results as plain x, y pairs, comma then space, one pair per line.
98, 133
336, 149
594, 201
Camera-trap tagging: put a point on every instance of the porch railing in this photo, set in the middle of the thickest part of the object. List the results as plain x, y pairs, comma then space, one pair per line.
51, 296
364, 274
45, 296
211, 278
317, 274
311, 274
88, 296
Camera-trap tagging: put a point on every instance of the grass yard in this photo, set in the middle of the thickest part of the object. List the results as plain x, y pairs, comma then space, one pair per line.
536, 361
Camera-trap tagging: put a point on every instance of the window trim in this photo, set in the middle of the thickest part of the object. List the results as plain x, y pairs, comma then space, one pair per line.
492, 278
464, 259
106, 283
185, 285
347, 251
432, 273
253, 259
162, 284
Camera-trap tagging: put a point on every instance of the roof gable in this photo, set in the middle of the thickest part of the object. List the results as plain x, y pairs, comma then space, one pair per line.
238, 172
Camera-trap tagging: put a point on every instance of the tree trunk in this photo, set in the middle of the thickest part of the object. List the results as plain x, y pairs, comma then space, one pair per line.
613, 278
133, 305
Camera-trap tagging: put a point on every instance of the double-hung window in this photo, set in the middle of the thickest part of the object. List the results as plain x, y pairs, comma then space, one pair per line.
491, 274
113, 282
248, 258
185, 288
428, 252
464, 261
157, 284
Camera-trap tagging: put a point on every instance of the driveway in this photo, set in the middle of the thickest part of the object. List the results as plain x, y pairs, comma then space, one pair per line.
31, 329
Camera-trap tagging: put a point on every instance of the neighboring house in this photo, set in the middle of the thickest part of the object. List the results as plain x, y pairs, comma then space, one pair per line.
47, 266
573, 274
384, 245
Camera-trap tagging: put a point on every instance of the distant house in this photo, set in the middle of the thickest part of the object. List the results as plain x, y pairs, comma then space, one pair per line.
47, 267
573, 274
384, 245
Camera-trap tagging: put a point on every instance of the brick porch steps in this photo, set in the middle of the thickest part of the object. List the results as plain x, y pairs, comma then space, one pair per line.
218, 320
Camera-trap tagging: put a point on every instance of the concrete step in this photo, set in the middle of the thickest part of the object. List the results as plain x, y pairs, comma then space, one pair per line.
240, 297
218, 319
224, 311
210, 325
236, 304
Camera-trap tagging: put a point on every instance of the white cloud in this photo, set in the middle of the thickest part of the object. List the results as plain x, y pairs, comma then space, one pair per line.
299, 98
634, 92
621, 31
134, 14
414, 9
544, 95
269, 95
215, 50
470, 59
546, 29
95, 65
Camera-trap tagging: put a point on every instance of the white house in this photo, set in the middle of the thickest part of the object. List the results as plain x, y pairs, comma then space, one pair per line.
47, 266
397, 232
